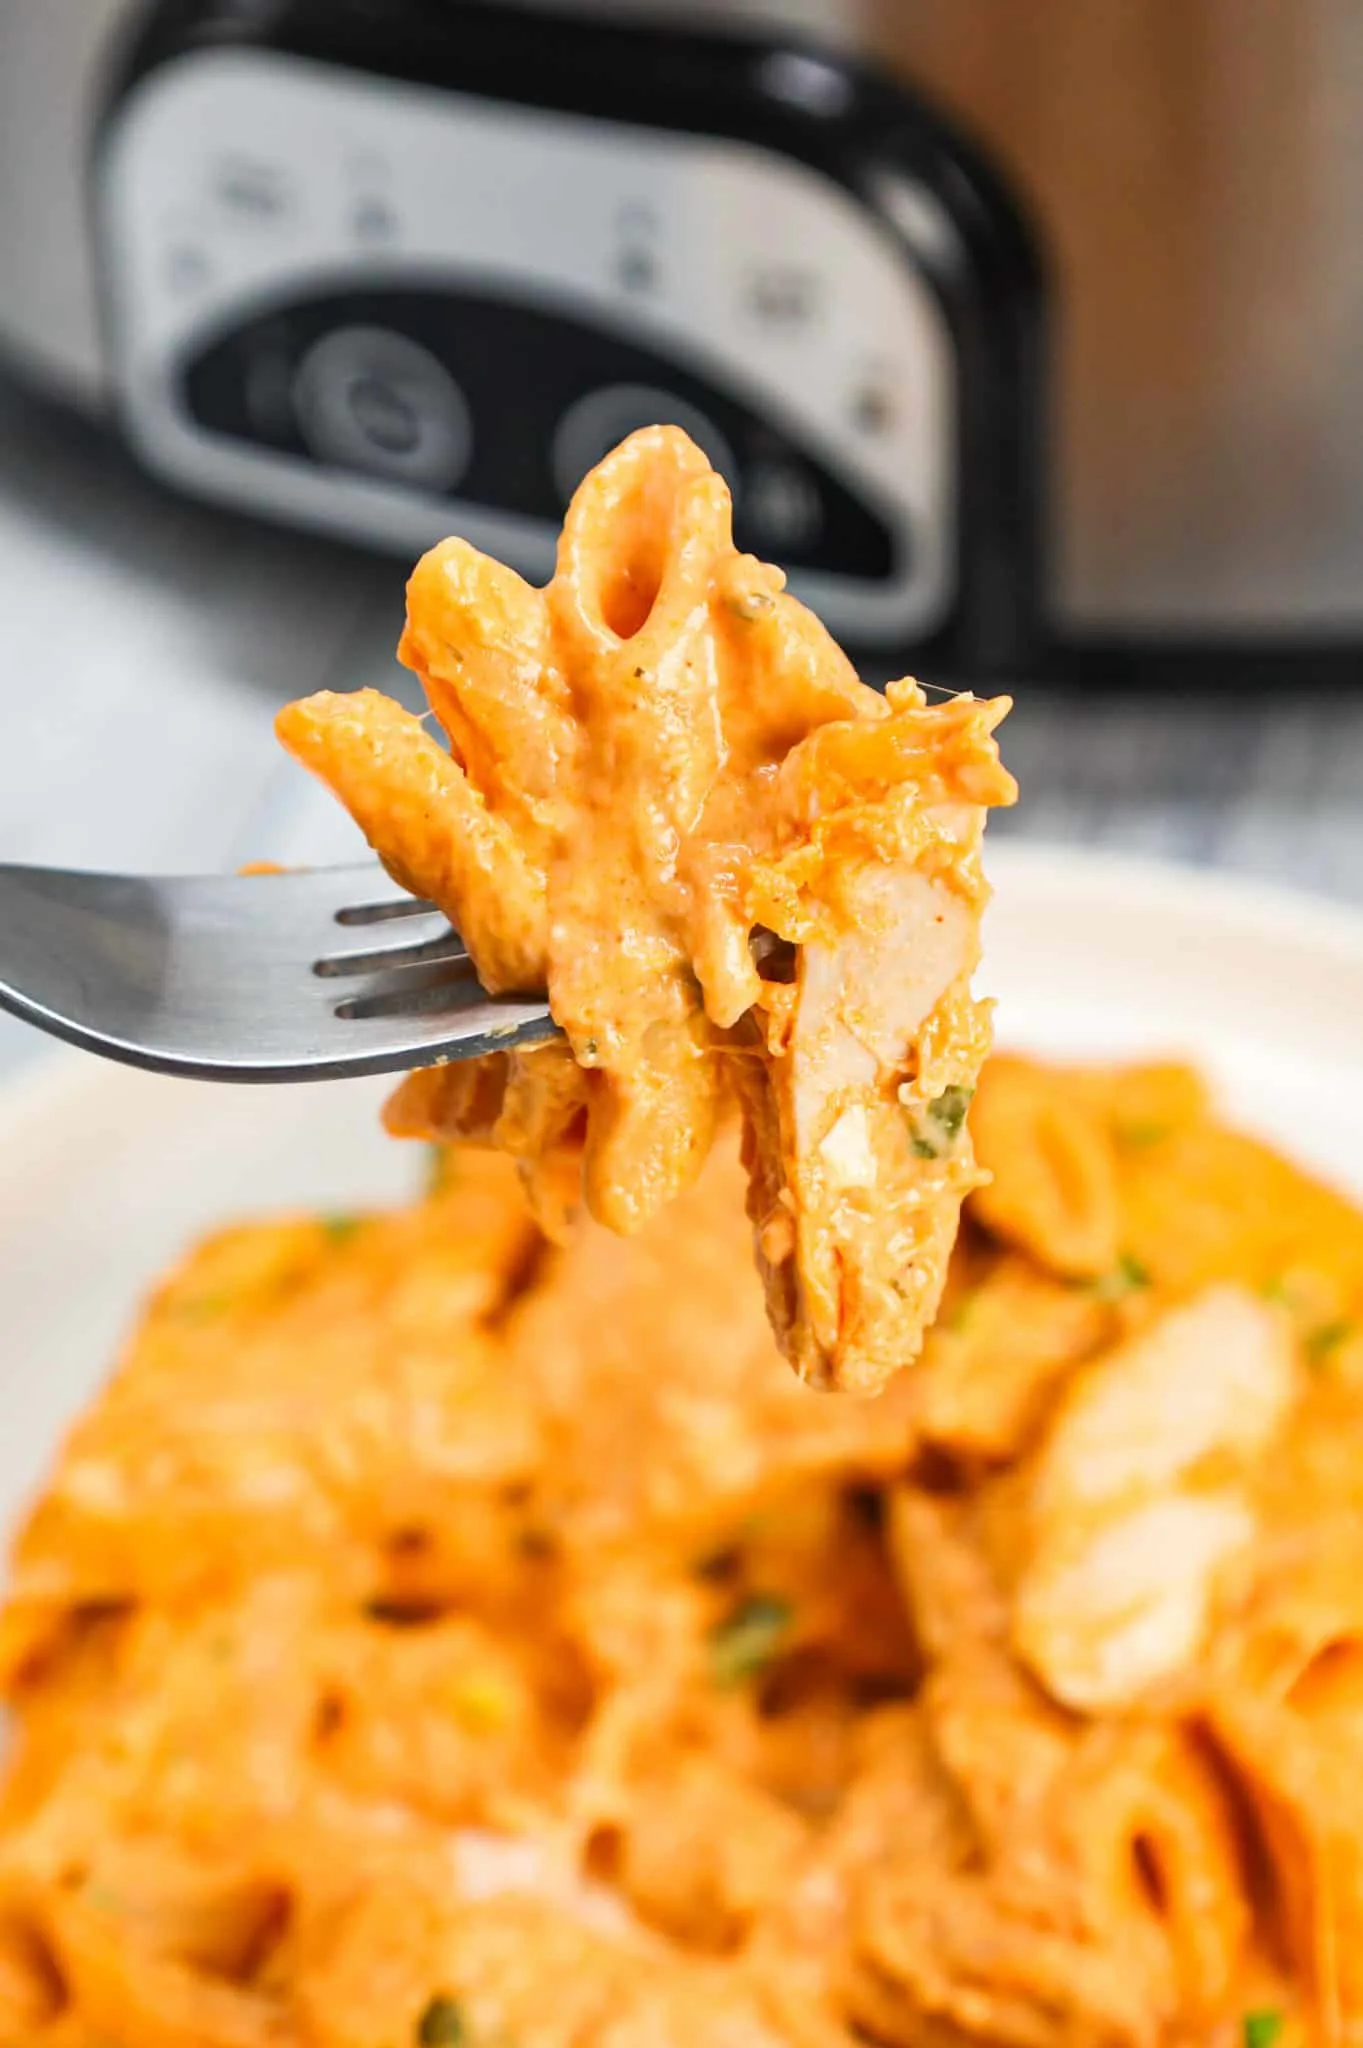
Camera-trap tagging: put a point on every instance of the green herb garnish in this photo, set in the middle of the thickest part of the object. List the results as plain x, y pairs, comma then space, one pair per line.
441, 2025
935, 1131
440, 1169
746, 1641
1320, 1345
1261, 2029
339, 1228
1128, 1276
750, 604
1139, 1134
206, 1308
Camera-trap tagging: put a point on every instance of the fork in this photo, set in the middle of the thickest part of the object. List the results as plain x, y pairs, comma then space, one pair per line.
309, 975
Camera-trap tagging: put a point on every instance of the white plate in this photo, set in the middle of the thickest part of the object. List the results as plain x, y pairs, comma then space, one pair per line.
105, 1173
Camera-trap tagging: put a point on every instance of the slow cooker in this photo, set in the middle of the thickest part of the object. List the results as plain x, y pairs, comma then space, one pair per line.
1026, 330
400, 269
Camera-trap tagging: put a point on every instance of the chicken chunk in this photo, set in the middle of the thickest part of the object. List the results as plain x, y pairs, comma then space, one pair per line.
1141, 1500
740, 874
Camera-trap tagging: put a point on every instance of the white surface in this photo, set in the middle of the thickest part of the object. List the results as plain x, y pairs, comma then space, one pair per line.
106, 1173
205, 229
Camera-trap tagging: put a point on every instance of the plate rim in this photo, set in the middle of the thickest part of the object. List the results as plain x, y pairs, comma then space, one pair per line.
1234, 895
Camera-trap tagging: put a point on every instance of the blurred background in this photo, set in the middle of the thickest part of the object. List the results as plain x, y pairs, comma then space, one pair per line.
1027, 332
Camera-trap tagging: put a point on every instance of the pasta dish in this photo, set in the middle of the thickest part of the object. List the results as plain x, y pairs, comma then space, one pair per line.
437, 1635
453, 1627
739, 872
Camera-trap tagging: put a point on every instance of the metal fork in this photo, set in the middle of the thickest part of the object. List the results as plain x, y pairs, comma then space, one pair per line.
305, 976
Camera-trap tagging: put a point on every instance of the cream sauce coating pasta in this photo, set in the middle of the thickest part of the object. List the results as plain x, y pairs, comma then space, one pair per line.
743, 877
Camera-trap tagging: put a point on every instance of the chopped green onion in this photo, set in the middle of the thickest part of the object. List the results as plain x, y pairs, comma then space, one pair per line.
1140, 1134
1321, 1344
750, 604
441, 2025
1261, 2029
948, 1111
1128, 1276
206, 1308
746, 1641
934, 1133
339, 1227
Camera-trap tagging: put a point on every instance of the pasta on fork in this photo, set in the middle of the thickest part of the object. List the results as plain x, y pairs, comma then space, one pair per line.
744, 877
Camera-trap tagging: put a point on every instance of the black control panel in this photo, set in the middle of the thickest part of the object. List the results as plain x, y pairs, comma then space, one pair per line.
394, 268
409, 386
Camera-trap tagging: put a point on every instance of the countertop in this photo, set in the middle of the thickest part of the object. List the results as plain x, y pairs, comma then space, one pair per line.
145, 643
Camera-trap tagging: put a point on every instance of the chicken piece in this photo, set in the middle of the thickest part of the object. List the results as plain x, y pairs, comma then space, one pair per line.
857, 1151
737, 871
1141, 1498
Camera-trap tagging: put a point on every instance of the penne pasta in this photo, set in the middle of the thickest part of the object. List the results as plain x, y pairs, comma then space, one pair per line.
444, 1632
744, 878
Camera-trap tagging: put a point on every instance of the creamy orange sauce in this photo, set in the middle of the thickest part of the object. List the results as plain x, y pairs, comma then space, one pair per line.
393, 1660
742, 876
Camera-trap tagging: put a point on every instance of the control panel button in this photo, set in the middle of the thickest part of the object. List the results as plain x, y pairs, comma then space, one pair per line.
874, 411
480, 378
370, 399
783, 507
636, 270
595, 424
782, 297
372, 220
576, 392
250, 188
636, 266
